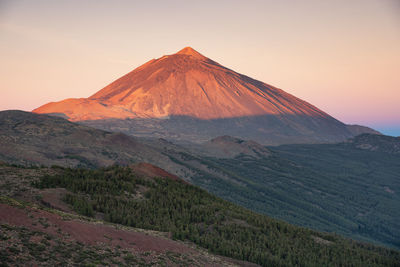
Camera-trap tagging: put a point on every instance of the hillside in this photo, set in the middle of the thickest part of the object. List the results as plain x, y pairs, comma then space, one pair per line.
377, 143
338, 188
230, 147
179, 210
39, 228
41, 139
189, 97
334, 187
35, 139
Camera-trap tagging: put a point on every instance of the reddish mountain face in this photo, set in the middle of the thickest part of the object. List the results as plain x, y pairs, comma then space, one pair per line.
190, 98
185, 83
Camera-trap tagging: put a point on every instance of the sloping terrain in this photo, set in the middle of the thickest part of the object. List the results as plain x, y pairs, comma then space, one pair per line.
338, 188
27, 137
186, 84
230, 147
371, 142
189, 97
35, 139
351, 188
34, 234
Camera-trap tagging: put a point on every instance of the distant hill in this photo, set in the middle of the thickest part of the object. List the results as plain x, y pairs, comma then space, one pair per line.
34, 139
358, 129
188, 97
230, 147
378, 143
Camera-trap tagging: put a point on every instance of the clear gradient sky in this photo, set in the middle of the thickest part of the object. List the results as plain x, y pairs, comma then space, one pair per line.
342, 56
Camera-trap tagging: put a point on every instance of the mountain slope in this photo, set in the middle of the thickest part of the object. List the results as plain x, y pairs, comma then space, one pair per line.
350, 188
34, 139
187, 85
35, 232
377, 143
177, 209
301, 184
229, 147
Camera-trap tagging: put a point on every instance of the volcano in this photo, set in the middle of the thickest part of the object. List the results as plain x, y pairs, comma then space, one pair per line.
189, 97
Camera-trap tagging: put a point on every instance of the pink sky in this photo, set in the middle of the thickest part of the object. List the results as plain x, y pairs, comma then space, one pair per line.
341, 56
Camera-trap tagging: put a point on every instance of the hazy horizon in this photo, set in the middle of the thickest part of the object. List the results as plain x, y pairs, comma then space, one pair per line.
340, 56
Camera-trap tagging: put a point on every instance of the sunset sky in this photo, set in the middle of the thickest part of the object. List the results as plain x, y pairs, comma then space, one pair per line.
341, 56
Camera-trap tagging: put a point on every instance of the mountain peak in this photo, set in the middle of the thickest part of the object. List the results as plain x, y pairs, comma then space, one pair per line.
183, 84
190, 88
190, 52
